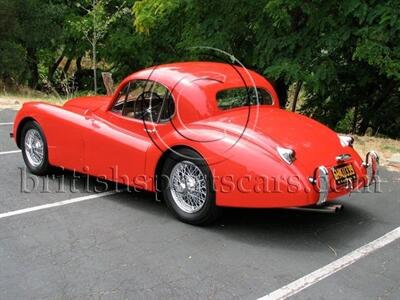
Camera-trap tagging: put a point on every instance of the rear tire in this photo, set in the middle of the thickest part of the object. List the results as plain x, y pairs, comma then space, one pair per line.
187, 187
34, 149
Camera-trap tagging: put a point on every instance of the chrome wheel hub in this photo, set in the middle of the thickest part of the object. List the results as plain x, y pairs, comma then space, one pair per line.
34, 147
188, 186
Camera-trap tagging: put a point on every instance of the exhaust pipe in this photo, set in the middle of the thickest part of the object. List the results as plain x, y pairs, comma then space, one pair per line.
329, 208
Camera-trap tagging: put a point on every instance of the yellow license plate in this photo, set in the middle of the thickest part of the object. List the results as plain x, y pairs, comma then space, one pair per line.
343, 174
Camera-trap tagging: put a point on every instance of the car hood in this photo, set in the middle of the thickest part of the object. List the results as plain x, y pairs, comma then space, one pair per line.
266, 127
89, 102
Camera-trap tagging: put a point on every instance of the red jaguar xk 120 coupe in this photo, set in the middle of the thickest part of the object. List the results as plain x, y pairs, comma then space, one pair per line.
202, 135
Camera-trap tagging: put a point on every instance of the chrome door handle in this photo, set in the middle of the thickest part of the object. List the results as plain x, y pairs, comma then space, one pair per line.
153, 130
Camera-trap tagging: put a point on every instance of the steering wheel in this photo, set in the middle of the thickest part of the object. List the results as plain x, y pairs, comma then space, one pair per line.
144, 100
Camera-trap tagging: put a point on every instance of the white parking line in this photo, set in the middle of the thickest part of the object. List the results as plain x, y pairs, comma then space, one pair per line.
335, 266
7, 123
10, 152
55, 204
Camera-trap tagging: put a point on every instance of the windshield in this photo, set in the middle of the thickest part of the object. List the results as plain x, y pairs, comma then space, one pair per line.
237, 97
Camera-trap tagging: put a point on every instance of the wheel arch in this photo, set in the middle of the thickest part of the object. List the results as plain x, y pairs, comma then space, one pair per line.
157, 171
21, 125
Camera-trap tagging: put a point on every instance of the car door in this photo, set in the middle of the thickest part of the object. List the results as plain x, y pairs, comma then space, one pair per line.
117, 140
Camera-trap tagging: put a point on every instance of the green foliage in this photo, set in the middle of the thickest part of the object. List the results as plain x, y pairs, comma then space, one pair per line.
346, 53
149, 12
378, 42
12, 66
96, 21
345, 125
28, 29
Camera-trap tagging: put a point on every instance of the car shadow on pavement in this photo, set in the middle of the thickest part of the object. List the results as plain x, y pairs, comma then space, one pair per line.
270, 228
290, 229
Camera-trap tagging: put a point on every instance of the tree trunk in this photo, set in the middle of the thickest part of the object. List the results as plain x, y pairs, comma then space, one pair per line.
355, 119
108, 82
282, 90
66, 67
78, 74
79, 64
54, 67
94, 69
94, 44
296, 95
33, 68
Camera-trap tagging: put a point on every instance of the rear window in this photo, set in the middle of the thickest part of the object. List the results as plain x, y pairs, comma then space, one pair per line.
242, 96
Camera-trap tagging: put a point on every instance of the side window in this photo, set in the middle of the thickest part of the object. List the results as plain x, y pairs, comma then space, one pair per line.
119, 104
133, 106
242, 96
159, 103
145, 99
167, 109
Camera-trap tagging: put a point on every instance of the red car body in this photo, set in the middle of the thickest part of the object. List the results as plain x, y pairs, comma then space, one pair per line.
238, 144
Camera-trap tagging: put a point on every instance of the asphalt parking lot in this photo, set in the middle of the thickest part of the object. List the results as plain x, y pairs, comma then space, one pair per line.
127, 246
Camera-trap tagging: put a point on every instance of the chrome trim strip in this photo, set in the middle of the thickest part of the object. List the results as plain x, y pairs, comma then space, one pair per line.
343, 157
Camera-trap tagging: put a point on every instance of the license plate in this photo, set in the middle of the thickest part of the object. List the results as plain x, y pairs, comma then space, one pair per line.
343, 173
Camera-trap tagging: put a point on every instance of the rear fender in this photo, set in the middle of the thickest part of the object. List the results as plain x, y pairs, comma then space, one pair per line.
225, 159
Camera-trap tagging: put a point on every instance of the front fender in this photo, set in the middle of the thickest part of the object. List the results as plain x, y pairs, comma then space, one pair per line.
28, 111
62, 128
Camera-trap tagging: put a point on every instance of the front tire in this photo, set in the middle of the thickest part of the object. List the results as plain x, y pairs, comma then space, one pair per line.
34, 149
187, 188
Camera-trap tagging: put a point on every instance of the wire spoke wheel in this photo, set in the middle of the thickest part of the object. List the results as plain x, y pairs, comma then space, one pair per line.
188, 186
34, 147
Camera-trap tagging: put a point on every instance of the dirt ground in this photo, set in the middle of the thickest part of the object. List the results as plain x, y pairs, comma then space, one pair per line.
386, 148
13, 102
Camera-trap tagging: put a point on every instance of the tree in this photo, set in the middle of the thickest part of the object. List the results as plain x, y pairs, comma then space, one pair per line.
345, 53
23, 23
342, 58
12, 68
95, 25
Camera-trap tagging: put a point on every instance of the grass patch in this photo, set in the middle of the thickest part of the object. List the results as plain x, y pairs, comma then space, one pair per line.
391, 148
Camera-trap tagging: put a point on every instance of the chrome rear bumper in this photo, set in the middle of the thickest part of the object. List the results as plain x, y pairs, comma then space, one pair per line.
322, 181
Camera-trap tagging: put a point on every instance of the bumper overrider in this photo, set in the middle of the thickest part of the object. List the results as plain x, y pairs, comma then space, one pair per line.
371, 164
322, 178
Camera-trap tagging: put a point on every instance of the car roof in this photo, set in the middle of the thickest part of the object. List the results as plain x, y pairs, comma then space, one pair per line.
201, 73
194, 85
